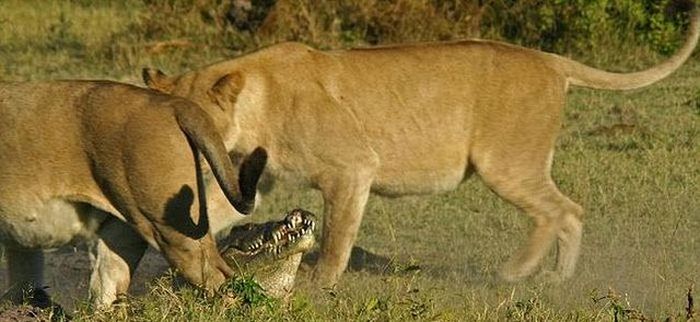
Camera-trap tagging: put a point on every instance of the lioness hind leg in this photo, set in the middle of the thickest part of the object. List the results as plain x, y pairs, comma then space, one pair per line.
528, 186
114, 258
569, 242
345, 196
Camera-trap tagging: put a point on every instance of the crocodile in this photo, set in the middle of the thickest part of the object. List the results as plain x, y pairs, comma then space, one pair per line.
271, 252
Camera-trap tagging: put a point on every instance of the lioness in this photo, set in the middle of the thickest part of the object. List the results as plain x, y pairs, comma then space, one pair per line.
409, 119
117, 164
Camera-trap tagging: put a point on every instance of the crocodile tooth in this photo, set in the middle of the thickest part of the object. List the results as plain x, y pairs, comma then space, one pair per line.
293, 221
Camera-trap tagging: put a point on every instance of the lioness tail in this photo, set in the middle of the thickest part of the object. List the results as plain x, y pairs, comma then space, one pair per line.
201, 132
581, 75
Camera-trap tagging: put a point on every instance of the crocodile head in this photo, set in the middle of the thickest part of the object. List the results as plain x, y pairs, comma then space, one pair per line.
271, 252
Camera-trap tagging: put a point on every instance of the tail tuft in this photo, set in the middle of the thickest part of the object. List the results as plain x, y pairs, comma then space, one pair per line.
249, 175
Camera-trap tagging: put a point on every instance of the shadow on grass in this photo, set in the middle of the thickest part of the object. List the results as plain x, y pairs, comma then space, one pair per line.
362, 260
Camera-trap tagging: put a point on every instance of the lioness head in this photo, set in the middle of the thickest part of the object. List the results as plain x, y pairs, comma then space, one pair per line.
218, 98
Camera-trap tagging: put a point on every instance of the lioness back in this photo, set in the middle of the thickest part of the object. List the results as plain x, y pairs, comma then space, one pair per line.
46, 170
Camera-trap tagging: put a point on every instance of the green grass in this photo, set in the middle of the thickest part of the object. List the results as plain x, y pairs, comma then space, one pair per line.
630, 159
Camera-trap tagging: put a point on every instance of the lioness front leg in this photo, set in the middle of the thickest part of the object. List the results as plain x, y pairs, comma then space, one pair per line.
345, 196
114, 258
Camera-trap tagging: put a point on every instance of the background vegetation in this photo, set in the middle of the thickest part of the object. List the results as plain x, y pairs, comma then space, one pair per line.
101, 38
631, 159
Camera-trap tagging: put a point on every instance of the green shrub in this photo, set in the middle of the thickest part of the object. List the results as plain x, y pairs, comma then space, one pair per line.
605, 29
121, 37
589, 26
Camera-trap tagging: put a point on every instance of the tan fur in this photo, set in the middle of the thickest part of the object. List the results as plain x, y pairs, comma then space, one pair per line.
409, 119
115, 164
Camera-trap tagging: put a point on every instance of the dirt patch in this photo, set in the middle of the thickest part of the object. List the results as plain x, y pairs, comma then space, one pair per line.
68, 273
67, 276
23, 313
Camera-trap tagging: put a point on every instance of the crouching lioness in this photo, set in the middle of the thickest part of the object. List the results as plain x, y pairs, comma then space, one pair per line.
116, 164
409, 119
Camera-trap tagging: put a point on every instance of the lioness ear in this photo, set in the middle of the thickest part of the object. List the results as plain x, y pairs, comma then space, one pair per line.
225, 91
155, 79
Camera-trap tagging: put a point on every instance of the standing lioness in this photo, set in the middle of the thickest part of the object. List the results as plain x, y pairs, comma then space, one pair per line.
81, 159
409, 119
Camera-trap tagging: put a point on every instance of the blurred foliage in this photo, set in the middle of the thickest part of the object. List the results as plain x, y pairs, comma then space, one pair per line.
579, 26
118, 37
571, 27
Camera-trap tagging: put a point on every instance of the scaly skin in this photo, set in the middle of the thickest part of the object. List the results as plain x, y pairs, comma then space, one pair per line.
271, 252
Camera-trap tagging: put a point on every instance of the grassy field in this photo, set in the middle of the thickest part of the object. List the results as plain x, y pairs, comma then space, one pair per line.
629, 158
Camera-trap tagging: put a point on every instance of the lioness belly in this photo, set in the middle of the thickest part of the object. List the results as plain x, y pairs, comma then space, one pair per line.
420, 174
50, 224
417, 182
